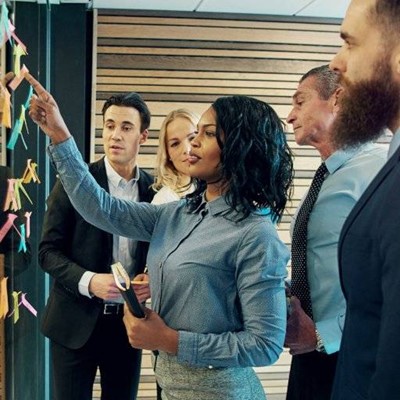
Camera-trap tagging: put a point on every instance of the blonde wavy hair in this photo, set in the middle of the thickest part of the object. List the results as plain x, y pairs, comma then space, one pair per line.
165, 172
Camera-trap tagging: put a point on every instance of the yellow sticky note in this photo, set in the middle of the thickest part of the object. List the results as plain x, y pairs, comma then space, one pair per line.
18, 52
5, 107
3, 298
15, 296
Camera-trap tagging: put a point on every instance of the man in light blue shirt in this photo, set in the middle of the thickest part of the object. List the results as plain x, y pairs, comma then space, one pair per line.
314, 342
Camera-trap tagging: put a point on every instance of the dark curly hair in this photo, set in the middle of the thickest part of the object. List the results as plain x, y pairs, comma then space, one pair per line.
256, 161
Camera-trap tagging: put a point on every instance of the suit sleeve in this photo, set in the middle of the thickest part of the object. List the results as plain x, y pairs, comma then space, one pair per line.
57, 237
385, 382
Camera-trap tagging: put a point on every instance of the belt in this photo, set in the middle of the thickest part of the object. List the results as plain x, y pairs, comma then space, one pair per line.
113, 309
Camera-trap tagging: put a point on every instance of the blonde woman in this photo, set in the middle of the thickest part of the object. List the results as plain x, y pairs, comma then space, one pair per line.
172, 179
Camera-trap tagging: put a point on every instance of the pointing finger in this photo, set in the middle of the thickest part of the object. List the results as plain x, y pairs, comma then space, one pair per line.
39, 89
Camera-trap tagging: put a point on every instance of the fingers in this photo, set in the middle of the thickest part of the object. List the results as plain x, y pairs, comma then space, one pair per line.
131, 320
37, 113
141, 279
142, 296
43, 95
37, 110
295, 303
37, 87
148, 313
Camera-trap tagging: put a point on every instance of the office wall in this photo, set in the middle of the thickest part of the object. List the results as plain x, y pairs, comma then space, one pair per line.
176, 60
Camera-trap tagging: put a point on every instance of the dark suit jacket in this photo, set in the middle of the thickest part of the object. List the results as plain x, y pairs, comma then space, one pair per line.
69, 247
369, 262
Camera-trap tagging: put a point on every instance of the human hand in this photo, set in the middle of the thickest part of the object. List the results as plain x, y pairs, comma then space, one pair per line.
141, 287
44, 111
288, 292
300, 331
103, 286
150, 333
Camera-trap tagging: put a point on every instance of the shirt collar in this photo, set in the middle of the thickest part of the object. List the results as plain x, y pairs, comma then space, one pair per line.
395, 143
339, 157
114, 178
216, 206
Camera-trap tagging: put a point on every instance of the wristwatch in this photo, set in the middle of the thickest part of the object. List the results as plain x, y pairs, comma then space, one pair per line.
320, 344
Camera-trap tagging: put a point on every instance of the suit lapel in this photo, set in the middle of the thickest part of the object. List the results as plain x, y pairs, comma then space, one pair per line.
145, 192
98, 170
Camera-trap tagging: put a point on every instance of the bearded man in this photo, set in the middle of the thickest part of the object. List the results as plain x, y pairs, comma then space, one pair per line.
369, 248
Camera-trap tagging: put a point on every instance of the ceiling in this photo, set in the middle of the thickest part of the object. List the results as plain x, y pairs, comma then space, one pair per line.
301, 8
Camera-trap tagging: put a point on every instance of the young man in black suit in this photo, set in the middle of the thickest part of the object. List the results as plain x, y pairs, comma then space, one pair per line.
83, 316
369, 247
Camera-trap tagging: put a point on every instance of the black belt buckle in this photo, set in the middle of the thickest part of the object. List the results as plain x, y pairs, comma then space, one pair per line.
112, 308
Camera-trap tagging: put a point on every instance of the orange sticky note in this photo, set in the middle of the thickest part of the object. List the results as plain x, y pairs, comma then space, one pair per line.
11, 202
5, 107
30, 172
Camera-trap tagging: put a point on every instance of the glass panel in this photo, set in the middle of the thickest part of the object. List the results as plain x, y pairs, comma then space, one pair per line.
58, 38
25, 351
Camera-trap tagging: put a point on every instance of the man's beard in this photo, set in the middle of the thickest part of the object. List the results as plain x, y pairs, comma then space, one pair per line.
366, 108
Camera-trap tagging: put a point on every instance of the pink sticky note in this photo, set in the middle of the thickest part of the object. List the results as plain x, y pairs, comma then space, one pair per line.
18, 79
28, 305
18, 40
7, 226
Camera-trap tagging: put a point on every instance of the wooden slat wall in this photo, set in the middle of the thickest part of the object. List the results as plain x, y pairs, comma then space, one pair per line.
188, 60
3, 143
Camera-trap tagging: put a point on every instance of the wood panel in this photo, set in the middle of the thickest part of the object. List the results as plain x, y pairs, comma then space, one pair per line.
3, 139
2, 342
188, 60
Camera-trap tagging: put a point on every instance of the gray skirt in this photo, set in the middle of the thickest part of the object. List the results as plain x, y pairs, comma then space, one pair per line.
182, 382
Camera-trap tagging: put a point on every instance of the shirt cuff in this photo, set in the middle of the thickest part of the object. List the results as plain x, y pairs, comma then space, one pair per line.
187, 346
329, 337
61, 151
83, 285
